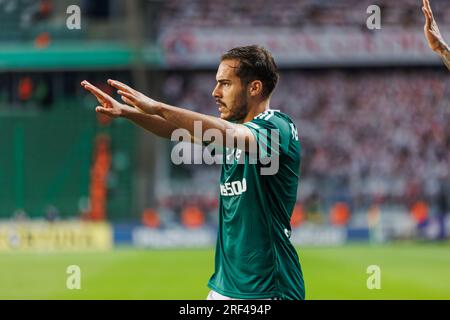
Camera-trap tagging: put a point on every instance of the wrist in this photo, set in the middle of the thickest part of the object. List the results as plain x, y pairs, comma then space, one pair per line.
128, 112
443, 49
158, 108
445, 53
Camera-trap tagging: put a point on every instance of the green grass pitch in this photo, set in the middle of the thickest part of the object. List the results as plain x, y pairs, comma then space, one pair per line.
408, 271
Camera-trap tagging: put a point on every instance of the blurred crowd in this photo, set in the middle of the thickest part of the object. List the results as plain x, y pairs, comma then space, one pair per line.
369, 134
44, 20
294, 14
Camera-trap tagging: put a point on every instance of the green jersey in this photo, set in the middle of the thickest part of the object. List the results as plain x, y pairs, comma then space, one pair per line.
254, 256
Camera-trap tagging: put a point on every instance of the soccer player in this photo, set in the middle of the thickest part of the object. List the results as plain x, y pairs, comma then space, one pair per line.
254, 256
433, 35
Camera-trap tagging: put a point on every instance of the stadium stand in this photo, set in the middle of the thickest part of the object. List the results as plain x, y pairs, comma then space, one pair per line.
369, 135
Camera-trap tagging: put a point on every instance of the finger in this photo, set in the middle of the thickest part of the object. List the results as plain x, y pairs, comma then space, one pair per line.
428, 6
428, 12
427, 19
128, 95
100, 109
88, 87
103, 110
84, 82
121, 86
97, 92
127, 101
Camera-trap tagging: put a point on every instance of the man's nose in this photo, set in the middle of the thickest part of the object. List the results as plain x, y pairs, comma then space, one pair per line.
215, 93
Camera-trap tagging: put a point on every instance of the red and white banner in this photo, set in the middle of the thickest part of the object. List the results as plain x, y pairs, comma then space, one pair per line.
197, 47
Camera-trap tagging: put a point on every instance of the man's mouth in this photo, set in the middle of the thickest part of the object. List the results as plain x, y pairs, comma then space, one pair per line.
221, 106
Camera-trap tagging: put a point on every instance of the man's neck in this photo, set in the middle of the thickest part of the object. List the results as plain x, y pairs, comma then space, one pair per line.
254, 111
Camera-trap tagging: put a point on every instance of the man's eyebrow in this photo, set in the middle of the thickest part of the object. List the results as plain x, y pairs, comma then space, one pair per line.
223, 80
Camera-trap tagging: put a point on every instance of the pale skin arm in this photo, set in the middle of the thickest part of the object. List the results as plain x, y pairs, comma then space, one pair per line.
433, 35
182, 118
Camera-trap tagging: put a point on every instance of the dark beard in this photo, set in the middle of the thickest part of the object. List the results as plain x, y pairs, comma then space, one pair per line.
240, 113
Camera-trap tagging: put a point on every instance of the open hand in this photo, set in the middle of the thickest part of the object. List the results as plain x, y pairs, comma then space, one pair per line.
432, 33
134, 97
108, 105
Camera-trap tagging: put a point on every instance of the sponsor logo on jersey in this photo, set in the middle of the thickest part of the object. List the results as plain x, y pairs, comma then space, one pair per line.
234, 188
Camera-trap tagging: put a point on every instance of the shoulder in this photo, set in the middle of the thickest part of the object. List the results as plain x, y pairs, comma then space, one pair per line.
271, 119
276, 125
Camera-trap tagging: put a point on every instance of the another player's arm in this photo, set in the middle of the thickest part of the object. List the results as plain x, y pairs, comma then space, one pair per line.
433, 35
114, 109
182, 118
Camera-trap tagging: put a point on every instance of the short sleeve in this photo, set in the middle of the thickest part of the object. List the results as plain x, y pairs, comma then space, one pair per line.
272, 133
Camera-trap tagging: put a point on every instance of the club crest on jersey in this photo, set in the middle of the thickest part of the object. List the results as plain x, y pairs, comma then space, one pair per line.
287, 233
233, 153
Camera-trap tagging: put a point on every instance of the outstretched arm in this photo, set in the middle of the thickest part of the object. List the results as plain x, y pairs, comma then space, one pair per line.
114, 109
182, 118
433, 35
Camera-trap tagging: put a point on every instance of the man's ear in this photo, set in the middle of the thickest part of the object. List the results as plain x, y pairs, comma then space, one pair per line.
255, 88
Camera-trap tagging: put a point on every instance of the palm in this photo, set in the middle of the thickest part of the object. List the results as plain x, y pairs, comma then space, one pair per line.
431, 29
433, 35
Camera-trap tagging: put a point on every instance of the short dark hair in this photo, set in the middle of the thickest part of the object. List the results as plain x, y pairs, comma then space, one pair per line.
255, 63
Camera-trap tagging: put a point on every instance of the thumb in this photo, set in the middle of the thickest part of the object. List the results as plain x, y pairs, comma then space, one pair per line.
103, 110
427, 18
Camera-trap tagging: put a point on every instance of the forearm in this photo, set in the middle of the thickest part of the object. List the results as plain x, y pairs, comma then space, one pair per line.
152, 123
444, 52
446, 58
182, 118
